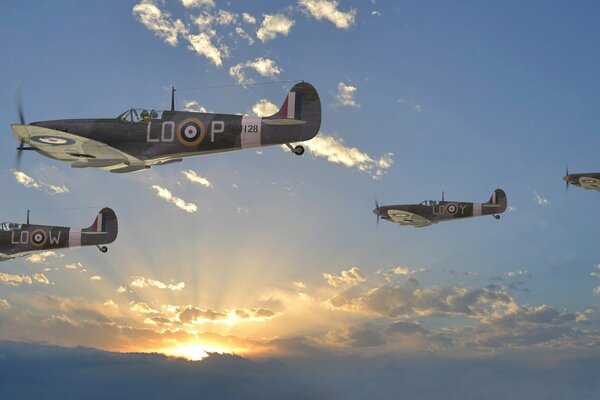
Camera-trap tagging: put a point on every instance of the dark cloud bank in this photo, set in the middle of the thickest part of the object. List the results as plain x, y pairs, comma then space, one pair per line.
29, 371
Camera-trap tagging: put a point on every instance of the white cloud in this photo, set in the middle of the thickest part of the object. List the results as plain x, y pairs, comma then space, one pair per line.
416, 106
17, 280
264, 108
165, 194
518, 273
351, 277
346, 96
75, 267
539, 199
4, 304
375, 13
41, 278
159, 21
193, 106
95, 278
242, 33
40, 257
334, 150
197, 3
249, 19
263, 66
597, 290
203, 45
121, 289
193, 177
328, 9
23, 179
224, 17
274, 25
142, 282
143, 308
242, 210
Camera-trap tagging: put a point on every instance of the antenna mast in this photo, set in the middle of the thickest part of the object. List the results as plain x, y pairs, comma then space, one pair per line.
172, 98
28, 216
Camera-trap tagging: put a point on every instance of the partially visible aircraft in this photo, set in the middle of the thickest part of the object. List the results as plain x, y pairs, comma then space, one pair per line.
431, 211
587, 180
140, 138
18, 240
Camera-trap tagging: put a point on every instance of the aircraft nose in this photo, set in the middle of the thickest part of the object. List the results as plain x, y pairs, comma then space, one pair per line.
375, 211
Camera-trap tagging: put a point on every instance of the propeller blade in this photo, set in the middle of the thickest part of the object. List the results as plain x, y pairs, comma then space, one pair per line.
377, 211
567, 183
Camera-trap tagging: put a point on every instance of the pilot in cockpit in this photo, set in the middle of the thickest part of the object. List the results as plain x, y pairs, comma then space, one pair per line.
145, 115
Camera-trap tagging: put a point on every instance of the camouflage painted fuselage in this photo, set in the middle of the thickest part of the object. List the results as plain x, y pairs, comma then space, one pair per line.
588, 180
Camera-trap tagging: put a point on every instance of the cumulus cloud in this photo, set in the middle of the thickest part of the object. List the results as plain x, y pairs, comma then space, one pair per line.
539, 199
203, 45
597, 290
328, 9
159, 21
23, 179
166, 195
249, 19
244, 35
263, 66
95, 278
197, 3
264, 108
193, 106
273, 25
196, 315
38, 258
335, 150
345, 96
4, 304
193, 177
351, 277
224, 17
362, 335
142, 282
17, 280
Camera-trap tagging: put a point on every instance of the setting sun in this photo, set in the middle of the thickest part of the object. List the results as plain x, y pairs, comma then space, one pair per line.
194, 351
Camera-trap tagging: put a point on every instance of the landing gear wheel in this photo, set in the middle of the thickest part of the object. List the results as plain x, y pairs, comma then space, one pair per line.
103, 249
298, 150
497, 216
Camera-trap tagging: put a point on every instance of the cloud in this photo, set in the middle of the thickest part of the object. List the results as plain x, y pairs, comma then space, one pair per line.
362, 335
121, 289
264, 108
416, 106
4, 304
197, 3
345, 96
249, 19
143, 308
17, 280
23, 179
165, 194
75, 267
95, 278
193, 106
242, 33
328, 9
519, 273
203, 45
38, 258
142, 282
351, 277
539, 199
159, 22
195, 315
263, 66
273, 25
597, 290
334, 150
224, 17
193, 177
375, 13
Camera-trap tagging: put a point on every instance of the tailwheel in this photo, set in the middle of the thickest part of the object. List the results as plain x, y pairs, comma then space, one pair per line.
497, 216
297, 150
103, 249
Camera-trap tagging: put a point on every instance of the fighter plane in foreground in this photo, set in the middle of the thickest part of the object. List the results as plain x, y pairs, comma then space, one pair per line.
17, 240
587, 180
431, 212
140, 138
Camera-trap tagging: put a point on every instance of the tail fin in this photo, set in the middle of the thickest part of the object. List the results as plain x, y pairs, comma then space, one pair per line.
499, 199
301, 107
103, 230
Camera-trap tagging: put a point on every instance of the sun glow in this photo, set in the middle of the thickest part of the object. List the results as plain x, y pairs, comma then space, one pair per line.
195, 351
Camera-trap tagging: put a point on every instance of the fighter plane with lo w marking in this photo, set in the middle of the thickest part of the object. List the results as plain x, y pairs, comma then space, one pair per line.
140, 138
431, 212
17, 240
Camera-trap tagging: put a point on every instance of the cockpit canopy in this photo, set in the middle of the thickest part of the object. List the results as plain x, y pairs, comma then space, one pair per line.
9, 226
429, 203
134, 115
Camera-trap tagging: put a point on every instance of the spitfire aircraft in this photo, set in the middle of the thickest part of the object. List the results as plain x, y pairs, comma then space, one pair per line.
17, 240
140, 138
431, 212
588, 180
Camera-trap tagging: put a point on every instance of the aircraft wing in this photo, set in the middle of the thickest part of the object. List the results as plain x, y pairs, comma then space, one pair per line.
407, 218
587, 182
66, 146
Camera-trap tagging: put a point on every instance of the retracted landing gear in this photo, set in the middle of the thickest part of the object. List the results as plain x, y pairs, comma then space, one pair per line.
103, 249
496, 216
298, 150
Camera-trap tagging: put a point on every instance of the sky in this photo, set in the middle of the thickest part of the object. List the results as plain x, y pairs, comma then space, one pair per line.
261, 265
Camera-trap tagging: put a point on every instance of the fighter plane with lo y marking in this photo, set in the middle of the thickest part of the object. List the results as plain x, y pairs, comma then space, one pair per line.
17, 240
140, 138
430, 212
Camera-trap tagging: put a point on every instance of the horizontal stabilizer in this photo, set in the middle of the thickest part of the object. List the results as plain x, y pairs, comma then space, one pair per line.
97, 163
283, 121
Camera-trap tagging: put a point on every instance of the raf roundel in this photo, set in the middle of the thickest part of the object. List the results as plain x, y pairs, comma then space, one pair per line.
38, 237
190, 132
451, 209
52, 140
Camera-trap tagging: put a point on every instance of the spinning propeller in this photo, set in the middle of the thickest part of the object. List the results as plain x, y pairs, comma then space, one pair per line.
567, 183
22, 122
377, 211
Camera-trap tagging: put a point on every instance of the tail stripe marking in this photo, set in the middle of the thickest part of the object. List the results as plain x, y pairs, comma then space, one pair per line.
298, 108
74, 237
291, 105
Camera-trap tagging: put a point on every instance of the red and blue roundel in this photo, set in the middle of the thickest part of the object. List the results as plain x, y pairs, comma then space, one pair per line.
52, 140
190, 132
38, 237
452, 209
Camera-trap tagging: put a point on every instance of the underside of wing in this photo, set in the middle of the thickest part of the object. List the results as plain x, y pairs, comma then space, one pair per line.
407, 218
589, 183
81, 151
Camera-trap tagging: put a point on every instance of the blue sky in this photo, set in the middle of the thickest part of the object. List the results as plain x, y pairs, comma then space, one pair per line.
418, 98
